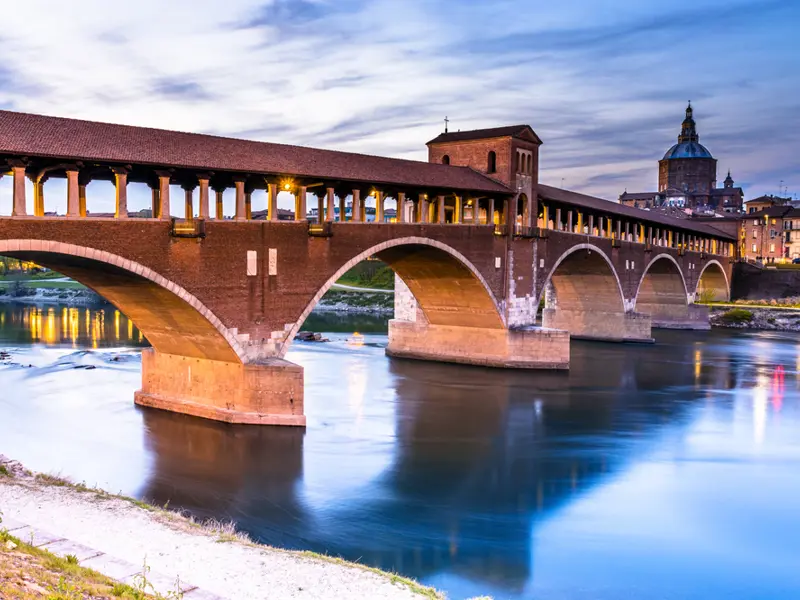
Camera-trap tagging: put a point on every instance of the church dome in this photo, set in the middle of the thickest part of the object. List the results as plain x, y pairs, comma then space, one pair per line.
688, 150
688, 145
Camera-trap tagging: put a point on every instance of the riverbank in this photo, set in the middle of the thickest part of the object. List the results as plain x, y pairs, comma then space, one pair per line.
768, 318
117, 536
70, 296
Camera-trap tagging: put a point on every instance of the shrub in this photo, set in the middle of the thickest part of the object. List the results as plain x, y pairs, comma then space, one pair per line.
737, 315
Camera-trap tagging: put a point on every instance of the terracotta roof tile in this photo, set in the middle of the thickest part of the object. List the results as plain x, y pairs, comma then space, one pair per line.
516, 131
24, 134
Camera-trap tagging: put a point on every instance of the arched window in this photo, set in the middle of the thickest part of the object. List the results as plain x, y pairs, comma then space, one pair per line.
530, 164
446, 159
492, 166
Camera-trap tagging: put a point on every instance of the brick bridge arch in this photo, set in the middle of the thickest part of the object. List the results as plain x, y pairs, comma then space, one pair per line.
448, 288
583, 294
662, 292
173, 320
714, 281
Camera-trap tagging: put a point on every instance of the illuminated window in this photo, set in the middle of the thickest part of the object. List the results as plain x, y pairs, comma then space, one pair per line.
491, 167
772, 247
754, 248
755, 233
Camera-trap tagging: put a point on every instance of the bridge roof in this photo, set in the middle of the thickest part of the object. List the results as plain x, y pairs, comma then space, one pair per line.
23, 134
547, 192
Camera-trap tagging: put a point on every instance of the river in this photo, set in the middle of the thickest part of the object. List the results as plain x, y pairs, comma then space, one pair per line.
660, 471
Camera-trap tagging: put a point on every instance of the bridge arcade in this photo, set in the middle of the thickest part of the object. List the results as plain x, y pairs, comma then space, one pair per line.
476, 242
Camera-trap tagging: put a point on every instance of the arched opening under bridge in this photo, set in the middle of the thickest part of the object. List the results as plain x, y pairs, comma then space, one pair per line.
446, 310
713, 284
662, 293
583, 295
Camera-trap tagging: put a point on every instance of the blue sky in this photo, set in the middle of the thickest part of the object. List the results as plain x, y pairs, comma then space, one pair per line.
603, 82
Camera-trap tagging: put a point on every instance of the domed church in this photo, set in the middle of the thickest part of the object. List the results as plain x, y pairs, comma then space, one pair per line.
687, 177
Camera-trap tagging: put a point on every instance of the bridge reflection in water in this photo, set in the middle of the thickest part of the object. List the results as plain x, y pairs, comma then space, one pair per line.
476, 460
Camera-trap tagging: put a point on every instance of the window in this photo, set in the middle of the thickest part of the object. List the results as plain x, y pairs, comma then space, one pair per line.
755, 233
755, 249
773, 221
491, 167
445, 160
530, 164
755, 222
772, 247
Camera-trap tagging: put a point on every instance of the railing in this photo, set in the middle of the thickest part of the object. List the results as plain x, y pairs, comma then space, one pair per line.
188, 228
324, 229
501, 230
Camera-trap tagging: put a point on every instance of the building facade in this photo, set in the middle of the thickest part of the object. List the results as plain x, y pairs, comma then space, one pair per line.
771, 235
687, 178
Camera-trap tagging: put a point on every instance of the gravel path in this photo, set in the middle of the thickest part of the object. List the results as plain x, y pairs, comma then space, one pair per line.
173, 547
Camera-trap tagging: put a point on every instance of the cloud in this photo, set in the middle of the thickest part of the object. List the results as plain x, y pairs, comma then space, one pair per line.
185, 90
603, 82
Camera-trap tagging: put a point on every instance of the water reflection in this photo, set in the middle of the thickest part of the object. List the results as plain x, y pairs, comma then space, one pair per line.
641, 463
58, 325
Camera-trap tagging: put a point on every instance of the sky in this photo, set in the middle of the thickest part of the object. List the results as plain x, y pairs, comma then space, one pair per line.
604, 83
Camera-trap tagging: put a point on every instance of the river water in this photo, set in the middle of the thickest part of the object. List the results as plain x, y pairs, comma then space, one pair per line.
665, 471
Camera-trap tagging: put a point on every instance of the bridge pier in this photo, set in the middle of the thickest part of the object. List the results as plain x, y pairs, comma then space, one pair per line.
530, 348
268, 393
692, 316
599, 325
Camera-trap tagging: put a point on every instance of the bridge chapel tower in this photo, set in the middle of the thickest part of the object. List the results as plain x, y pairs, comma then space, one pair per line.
509, 155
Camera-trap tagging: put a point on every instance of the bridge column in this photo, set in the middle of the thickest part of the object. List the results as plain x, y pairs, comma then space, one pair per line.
342, 207
401, 207
379, 215
300, 210
188, 195
203, 207
358, 216
330, 213
73, 202
219, 212
272, 202
38, 195
422, 208
82, 198
164, 179
440, 209
490, 212
458, 210
18, 208
120, 192
241, 209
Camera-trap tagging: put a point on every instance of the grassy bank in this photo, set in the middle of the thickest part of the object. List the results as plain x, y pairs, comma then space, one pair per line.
28, 573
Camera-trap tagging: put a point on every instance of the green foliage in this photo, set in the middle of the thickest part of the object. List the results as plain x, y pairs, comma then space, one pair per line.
370, 274
4, 472
737, 315
71, 559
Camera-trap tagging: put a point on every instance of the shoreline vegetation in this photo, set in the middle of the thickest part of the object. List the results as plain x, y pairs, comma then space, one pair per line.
212, 554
